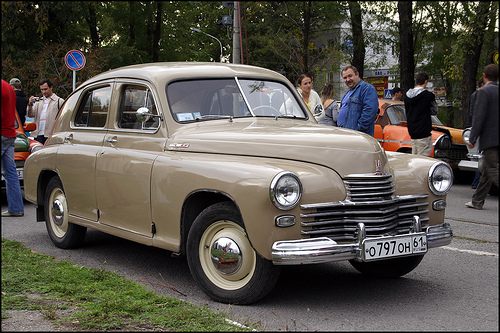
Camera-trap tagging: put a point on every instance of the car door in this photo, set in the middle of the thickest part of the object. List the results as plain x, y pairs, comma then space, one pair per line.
123, 169
76, 157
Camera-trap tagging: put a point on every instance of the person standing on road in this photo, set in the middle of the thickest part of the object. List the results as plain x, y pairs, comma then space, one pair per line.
329, 105
359, 106
485, 128
420, 104
45, 110
21, 99
13, 188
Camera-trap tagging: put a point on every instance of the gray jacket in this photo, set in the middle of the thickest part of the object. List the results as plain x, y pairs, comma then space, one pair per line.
485, 117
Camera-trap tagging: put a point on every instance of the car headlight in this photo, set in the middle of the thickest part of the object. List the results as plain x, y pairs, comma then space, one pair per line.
440, 178
466, 135
443, 142
35, 148
285, 190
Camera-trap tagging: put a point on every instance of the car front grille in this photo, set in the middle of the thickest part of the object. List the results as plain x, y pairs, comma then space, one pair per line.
457, 154
370, 200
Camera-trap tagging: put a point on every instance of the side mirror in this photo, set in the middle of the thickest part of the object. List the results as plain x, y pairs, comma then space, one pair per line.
143, 114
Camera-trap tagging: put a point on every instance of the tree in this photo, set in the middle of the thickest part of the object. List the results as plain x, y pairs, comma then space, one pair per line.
358, 40
406, 45
473, 44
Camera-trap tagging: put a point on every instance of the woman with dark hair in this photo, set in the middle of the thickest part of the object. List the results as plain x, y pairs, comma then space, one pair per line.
329, 105
310, 97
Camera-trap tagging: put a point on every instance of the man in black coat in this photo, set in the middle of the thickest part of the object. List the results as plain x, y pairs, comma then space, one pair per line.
420, 104
21, 99
485, 128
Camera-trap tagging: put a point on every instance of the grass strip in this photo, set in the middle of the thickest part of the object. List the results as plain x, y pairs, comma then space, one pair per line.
95, 299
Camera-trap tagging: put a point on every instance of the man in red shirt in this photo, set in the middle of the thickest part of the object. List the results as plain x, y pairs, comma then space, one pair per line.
13, 188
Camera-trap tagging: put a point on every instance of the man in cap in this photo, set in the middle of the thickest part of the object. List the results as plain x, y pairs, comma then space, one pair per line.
21, 99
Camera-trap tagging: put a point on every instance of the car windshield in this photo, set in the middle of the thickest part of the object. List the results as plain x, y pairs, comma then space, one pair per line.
196, 100
396, 114
435, 121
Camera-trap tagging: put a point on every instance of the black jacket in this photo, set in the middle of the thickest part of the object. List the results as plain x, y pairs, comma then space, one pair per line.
21, 104
418, 113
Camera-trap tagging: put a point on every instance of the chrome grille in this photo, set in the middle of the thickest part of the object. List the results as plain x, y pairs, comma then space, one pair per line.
371, 200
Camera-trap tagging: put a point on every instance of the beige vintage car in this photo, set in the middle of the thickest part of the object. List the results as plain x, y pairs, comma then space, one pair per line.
224, 164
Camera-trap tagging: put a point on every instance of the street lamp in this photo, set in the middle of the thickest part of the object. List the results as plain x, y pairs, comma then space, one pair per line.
198, 30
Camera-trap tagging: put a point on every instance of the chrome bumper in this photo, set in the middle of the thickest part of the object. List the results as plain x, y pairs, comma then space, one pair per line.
323, 249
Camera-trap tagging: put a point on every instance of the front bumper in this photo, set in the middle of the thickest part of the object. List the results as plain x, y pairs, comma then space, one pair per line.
323, 249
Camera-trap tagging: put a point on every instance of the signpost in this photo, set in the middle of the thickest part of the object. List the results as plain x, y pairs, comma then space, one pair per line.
75, 60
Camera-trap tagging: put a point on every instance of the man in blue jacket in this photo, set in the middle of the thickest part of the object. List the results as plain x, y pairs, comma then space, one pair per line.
359, 105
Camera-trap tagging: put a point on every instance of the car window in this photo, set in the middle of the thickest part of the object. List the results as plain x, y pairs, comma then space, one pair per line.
196, 100
93, 110
134, 97
396, 114
435, 120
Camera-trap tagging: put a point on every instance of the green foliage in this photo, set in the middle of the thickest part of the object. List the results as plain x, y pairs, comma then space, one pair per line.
101, 300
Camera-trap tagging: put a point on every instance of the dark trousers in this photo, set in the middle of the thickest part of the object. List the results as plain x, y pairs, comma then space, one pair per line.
41, 139
489, 175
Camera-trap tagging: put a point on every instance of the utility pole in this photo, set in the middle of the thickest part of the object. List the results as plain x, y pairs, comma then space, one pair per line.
236, 34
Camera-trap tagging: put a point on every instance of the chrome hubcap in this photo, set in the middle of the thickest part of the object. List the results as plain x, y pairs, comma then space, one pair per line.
226, 255
57, 212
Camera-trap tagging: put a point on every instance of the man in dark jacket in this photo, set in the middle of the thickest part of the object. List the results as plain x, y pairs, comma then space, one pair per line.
21, 99
485, 128
420, 104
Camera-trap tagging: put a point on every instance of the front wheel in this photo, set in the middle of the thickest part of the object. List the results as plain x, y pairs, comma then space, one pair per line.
389, 268
63, 233
222, 260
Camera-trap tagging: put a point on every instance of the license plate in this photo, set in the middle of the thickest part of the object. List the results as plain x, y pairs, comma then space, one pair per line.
394, 246
20, 174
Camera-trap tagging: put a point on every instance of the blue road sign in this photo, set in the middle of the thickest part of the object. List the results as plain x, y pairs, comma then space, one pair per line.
388, 93
75, 60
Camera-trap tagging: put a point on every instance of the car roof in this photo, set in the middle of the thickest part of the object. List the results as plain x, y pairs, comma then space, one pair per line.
167, 71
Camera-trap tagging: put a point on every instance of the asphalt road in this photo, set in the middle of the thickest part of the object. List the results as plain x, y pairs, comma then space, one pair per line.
455, 288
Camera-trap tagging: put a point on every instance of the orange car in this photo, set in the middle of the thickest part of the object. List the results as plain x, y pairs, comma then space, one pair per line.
23, 147
392, 133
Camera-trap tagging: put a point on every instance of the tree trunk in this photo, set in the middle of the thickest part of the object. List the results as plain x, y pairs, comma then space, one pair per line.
157, 32
358, 41
131, 23
406, 46
473, 47
92, 22
305, 44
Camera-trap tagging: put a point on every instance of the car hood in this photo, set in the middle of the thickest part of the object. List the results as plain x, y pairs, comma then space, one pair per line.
456, 134
285, 139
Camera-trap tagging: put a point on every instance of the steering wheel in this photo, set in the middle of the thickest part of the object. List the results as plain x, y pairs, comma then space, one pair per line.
273, 112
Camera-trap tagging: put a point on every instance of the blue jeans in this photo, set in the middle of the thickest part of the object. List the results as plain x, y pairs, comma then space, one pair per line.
13, 188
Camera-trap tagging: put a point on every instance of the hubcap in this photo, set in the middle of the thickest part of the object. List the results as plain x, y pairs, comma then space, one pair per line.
226, 255
58, 212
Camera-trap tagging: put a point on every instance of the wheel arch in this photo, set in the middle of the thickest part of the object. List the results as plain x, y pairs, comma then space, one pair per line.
43, 181
194, 204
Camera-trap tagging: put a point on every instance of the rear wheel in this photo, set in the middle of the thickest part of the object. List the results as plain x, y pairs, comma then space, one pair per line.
222, 260
390, 268
63, 233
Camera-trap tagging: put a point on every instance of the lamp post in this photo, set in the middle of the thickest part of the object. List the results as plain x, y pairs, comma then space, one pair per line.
198, 30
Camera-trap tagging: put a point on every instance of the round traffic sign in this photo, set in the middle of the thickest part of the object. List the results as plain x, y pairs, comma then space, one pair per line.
75, 60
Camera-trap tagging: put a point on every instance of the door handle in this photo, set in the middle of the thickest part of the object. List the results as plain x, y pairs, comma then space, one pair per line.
111, 140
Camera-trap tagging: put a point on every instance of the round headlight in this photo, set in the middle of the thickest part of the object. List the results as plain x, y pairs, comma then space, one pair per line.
440, 178
443, 142
285, 190
466, 135
35, 148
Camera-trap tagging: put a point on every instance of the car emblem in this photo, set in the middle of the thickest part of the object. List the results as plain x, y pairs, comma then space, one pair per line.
378, 167
179, 145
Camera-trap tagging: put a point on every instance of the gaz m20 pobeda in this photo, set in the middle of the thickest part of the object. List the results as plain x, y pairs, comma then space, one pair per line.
225, 165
